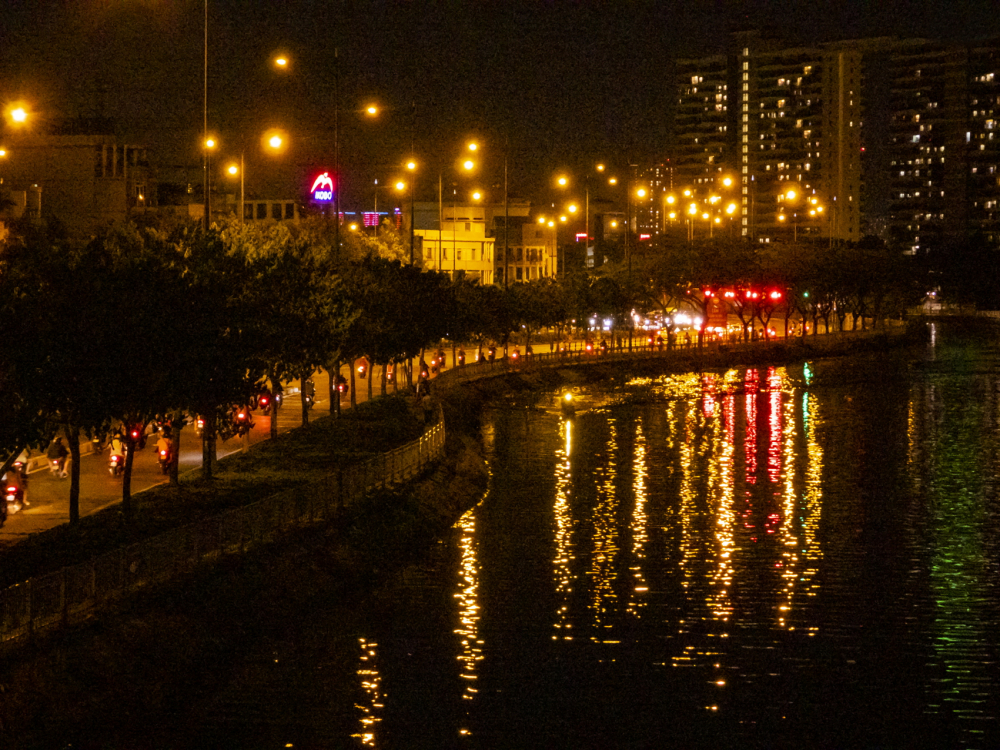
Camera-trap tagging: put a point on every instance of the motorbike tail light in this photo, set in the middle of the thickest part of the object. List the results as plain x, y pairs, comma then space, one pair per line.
11, 490
163, 454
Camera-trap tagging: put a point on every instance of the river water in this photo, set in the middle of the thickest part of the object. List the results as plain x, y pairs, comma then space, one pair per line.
800, 556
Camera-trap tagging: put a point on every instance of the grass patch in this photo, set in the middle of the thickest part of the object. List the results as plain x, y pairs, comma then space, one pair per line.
299, 457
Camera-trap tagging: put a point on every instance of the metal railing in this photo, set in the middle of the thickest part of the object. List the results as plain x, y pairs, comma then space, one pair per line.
75, 592
684, 350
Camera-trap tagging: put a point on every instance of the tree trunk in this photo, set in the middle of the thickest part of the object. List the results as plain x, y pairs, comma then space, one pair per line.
334, 390
273, 407
208, 445
73, 438
176, 425
354, 392
130, 448
303, 379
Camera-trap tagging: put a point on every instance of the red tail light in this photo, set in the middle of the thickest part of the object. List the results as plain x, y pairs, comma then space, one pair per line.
163, 454
12, 490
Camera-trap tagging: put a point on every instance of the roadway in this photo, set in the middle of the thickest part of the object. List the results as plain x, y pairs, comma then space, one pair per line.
48, 495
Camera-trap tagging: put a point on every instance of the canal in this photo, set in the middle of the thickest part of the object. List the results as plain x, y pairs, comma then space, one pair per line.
795, 556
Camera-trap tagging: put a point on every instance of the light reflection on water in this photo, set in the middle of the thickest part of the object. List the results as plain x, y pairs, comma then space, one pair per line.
801, 556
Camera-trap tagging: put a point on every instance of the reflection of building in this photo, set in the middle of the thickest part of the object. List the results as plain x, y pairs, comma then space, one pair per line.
453, 239
86, 181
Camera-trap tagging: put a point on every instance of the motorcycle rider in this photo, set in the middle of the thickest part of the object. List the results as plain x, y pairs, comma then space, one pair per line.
14, 478
165, 443
117, 449
57, 454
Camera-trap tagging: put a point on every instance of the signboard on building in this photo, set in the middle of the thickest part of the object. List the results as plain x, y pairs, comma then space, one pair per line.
322, 188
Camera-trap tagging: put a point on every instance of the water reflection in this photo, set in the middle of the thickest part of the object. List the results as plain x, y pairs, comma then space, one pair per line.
563, 533
471, 652
371, 686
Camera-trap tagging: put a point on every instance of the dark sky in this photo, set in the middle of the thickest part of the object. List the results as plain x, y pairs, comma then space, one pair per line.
566, 82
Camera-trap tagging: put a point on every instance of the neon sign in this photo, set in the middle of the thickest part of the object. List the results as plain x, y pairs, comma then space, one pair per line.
322, 188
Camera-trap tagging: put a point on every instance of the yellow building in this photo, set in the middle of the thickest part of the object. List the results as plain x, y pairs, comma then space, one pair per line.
458, 243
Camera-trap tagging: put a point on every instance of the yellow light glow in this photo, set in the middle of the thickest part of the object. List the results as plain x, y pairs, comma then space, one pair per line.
562, 181
718, 219
552, 223
210, 143
400, 185
612, 180
541, 219
372, 110
411, 165
670, 200
473, 146
790, 195
3, 152
19, 114
568, 397
731, 209
704, 216
600, 167
673, 215
641, 192
687, 193
614, 224
819, 209
353, 227
562, 219
476, 195
727, 181
693, 209
233, 169
781, 217
469, 165
275, 141
281, 61
571, 208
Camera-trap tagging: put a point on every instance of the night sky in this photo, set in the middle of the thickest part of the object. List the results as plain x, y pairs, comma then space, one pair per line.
565, 83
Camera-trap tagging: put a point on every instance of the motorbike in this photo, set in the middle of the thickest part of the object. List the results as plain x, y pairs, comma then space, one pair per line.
116, 464
98, 444
309, 394
515, 355
57, 467
13, 499
342, 386
264, 402
138, 437
461, 357
165, 457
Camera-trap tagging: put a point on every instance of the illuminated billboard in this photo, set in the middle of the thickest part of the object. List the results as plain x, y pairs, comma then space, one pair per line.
322, 188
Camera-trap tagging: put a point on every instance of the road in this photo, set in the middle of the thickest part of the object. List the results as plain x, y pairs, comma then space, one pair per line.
48, 495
